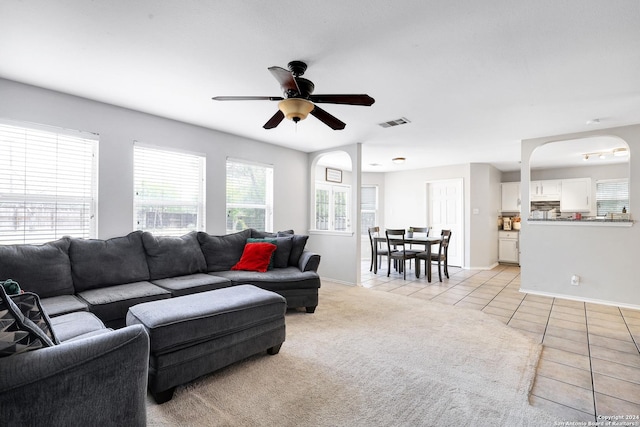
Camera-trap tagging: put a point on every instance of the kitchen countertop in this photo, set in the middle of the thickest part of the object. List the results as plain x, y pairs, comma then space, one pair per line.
583, 221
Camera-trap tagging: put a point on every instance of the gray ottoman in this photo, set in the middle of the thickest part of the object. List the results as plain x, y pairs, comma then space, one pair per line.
196, 334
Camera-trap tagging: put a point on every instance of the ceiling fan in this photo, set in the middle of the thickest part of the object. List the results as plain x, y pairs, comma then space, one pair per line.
298, 101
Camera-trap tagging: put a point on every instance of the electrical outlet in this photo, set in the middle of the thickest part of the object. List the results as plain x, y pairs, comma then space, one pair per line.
575, 280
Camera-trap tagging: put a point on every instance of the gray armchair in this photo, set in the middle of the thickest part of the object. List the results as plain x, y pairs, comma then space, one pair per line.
99, 380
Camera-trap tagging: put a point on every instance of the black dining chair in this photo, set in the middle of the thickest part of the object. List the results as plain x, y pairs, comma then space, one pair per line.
399, 254
441, 257
417, 232
376, 250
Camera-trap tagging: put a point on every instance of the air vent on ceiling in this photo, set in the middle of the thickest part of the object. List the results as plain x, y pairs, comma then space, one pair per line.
397, 122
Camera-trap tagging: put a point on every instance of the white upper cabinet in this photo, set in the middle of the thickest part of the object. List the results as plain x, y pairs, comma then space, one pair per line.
576, 195
510, 196
548, 190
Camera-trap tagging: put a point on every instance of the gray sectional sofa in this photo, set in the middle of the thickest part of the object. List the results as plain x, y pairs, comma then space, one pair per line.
86, 287
106, 277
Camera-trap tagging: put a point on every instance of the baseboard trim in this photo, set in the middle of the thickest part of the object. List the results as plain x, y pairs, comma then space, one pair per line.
580, 299
491, 267
340, 282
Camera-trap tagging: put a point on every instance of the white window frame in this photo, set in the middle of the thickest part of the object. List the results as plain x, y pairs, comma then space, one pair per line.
48, 183
266, 204
182, 175
332, 189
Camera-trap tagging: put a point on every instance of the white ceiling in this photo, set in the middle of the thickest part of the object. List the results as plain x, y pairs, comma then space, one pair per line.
473, 77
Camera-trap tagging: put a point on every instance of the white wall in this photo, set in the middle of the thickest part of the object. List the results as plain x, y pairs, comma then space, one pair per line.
340, 251
604, 257
484, 205
119, 127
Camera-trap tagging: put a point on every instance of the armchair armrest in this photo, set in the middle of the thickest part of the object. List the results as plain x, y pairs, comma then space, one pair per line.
100, 380
309, 261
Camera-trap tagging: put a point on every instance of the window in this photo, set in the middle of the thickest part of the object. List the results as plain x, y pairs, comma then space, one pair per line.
612, 196
332, 207
249, 196
48, 184
169, 189
368, 208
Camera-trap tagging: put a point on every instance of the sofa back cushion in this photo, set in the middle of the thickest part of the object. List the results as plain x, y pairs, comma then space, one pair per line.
223, 252
41, 269
169, 256
99, 263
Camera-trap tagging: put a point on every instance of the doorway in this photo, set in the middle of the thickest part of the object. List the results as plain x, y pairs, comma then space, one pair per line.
445, 211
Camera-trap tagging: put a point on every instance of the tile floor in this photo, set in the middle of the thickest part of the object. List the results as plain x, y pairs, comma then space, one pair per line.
590, 364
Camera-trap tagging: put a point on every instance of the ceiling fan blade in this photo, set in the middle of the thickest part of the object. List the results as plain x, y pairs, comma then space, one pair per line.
275, 120
247, 98
362, 99
326, 118
285, 78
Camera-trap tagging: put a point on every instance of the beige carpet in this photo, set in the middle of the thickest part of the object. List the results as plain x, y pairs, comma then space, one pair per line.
370, 358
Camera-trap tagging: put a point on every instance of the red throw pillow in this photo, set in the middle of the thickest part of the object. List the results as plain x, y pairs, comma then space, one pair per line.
255, 257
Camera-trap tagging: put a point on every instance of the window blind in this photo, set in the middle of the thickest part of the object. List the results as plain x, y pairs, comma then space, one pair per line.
368, 208
249, 196
612, 196
48, 184
169, 191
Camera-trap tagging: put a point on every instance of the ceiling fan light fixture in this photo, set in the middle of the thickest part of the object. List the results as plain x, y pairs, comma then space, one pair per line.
296, 109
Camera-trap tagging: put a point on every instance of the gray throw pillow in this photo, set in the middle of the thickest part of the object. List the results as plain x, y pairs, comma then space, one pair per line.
298, 243
169, 256
43, 269
223, 252
99, 263
19, 333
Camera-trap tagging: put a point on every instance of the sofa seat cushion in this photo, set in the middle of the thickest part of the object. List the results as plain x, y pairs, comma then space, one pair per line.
43, 269
169, 256
73, 325
63, 304
99, 263
112, 302
273, 280
192, 283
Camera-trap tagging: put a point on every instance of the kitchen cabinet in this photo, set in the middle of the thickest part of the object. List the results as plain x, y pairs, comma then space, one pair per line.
548, 190
509, 247
510, 196
576, 195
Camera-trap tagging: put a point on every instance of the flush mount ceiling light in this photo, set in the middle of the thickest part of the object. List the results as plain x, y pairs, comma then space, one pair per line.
295, 109
398, 160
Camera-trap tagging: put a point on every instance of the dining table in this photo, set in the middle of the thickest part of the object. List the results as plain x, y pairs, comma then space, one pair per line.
426, 241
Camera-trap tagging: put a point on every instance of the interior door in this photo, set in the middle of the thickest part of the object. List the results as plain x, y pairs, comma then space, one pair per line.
445, 212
